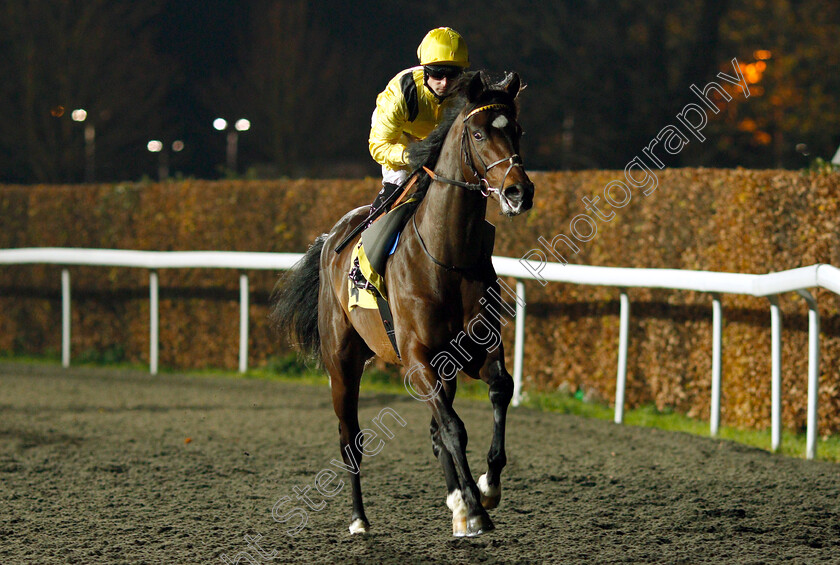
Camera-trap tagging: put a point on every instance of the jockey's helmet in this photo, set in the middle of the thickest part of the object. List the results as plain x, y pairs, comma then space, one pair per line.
445, 47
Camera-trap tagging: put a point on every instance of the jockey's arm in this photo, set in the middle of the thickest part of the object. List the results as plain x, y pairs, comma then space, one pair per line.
387, 141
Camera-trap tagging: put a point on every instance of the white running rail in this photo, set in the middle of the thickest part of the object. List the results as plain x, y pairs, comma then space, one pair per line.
769, 286
152, 260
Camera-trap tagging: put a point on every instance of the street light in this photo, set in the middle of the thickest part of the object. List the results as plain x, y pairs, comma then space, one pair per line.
80, 115
241, 124
157, 146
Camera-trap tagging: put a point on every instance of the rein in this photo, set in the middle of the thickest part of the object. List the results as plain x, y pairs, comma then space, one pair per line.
513, 161
441, 263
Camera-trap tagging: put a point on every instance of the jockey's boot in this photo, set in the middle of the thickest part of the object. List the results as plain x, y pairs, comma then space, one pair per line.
388, 189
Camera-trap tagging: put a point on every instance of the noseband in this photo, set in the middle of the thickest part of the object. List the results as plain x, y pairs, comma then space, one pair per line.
468, 150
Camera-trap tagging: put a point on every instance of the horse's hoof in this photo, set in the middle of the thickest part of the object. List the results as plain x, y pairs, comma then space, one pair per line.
490, 494
478, 525
359, 526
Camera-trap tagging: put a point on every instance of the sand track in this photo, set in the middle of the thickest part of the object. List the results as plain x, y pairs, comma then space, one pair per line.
103, 466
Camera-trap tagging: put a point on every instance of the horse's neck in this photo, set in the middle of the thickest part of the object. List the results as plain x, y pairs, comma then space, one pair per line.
451, 218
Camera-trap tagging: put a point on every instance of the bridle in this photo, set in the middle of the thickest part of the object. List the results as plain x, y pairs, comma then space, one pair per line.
483, 185
468, 151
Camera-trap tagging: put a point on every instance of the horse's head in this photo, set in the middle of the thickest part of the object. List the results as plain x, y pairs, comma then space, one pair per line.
490, 143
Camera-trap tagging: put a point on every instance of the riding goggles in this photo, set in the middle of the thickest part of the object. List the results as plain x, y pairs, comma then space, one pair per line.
439, 72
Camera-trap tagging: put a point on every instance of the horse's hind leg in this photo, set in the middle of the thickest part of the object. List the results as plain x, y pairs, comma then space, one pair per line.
344, 354
345, 373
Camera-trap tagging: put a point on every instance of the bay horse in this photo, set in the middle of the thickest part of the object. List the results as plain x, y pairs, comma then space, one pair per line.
438, 282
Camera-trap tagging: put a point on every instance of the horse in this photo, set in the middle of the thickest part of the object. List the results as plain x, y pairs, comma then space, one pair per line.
439, 281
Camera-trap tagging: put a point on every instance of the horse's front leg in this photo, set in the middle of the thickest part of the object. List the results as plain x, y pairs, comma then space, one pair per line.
453, 485
469, 518
501, 391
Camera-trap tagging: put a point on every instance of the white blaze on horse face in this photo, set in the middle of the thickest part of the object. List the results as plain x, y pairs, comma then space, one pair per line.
500, 122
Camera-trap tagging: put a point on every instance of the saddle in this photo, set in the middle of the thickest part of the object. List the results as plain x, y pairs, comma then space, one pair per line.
367, 261
366, 279
379, 241
370, 255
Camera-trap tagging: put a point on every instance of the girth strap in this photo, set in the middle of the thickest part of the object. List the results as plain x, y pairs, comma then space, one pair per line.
388, 322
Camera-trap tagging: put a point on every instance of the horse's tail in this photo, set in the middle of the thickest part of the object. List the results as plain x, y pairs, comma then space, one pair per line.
294, 302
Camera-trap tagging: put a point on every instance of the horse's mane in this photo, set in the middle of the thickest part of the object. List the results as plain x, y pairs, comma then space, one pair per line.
426, 152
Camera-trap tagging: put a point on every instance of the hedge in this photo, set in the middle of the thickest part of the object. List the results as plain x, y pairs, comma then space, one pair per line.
719, 220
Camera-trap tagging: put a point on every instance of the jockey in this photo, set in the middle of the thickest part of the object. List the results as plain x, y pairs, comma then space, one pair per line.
413, 104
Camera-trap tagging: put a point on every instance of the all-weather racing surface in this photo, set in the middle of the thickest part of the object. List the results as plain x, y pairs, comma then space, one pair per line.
107, 466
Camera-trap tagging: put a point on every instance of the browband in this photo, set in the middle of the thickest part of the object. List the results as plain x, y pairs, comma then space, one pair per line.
488, 107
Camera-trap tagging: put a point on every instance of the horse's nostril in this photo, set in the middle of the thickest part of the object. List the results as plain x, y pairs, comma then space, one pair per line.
513, 193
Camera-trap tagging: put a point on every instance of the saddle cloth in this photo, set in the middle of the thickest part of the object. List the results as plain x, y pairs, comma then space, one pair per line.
378, 242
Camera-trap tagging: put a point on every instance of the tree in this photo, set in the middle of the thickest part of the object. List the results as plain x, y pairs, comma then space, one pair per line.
788, 51
603, 77
61, 55
288, 82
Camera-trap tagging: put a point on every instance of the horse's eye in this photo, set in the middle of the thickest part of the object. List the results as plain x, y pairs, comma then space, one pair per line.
478, 135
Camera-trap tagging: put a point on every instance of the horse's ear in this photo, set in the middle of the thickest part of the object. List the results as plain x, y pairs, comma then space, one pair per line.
475, 87
512, 85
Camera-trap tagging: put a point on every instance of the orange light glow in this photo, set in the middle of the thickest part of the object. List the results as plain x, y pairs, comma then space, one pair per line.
762, 138
751, 73
762, 54
57, 111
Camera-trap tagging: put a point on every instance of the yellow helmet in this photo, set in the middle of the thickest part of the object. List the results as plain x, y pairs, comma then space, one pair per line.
443, 46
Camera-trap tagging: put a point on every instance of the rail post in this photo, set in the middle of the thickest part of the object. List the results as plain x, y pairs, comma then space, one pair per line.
243, 323
65, 318
623, 337
717, 333
153, 322
519, 343
813, 372
775, 373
